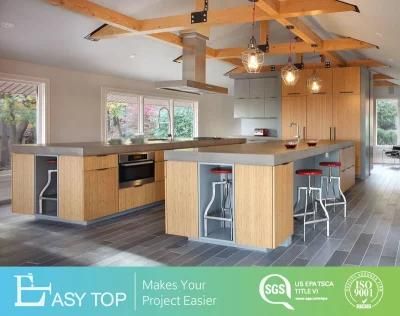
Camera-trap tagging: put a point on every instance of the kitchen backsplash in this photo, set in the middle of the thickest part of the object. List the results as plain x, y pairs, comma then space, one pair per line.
248, 126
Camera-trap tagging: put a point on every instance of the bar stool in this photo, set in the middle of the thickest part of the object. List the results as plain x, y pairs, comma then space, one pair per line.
226, 200
330, 181
309, 194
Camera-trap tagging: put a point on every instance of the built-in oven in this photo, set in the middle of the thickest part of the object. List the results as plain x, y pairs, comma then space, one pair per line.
136, 169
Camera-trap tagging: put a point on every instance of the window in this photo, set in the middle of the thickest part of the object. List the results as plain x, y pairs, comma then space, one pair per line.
184, 119
388, 124
122, 113
128, 115
156, 118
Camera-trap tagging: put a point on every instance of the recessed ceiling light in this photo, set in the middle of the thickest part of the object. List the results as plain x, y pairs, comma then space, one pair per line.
132, 56
7, 25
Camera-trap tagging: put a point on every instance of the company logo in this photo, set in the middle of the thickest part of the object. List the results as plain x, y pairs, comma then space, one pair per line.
363, 290
41, 302
275, 289
29, 295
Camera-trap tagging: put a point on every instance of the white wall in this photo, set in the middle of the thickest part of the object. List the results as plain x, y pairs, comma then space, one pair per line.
385, 92
75, 102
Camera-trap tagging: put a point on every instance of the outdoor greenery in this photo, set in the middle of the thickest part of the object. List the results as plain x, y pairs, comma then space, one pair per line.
387, 120
17, 123
122, 120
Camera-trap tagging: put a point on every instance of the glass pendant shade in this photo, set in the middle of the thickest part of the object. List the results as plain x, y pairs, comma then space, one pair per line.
290, 74
253, 57
314, 83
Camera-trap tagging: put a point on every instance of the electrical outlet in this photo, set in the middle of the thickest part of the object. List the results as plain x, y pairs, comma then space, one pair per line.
326, 155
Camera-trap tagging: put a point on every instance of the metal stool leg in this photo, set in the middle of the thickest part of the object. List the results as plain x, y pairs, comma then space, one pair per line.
208, 209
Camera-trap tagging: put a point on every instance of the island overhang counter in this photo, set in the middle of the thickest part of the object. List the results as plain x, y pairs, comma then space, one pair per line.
263, 182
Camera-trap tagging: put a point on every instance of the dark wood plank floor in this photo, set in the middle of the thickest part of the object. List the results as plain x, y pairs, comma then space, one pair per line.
369, 236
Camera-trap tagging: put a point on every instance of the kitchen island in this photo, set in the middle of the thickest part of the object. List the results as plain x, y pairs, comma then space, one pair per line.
81, 182
263, 189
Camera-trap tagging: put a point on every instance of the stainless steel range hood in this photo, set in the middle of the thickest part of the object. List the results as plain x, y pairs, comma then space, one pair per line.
193, 69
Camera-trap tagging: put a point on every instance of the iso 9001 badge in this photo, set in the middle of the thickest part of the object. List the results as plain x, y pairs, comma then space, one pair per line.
363, 290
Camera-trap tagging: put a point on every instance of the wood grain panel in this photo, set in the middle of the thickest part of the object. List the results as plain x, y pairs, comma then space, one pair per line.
347, 178
101, 193
23, 183
325, 74
137, 196
100, 162
300, 88
347, 80
319, 116
181, 203
347, 157
160, 191
254, 205
159, 155
283, 225
159, 171
294, 109
347, 120
71, 188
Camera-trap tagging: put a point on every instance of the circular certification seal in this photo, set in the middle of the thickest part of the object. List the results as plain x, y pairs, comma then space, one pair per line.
363, 290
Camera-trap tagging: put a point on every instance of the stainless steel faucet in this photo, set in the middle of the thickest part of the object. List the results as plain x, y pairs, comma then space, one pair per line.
170, 134
297, 136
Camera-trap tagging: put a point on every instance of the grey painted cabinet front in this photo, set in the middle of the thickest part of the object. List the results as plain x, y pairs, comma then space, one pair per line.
257, 88
249, 108
242, 88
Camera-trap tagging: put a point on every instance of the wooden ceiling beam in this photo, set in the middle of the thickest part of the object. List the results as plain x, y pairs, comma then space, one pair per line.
234, 15
264, 31
301, 48
382, 77
267, 68
384, 83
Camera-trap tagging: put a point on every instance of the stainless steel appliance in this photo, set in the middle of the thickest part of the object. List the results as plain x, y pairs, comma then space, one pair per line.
261, 132
136, 169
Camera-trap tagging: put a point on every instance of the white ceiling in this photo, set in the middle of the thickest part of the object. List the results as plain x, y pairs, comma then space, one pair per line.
50, 35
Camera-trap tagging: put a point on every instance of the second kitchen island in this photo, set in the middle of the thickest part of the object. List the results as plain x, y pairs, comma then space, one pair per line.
263, 189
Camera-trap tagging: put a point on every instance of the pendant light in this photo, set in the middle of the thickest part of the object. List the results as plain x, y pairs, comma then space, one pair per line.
290, 73
253, 57
314, 83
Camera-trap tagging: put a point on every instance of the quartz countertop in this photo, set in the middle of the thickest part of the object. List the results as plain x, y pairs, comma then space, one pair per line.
99, 148
270, 153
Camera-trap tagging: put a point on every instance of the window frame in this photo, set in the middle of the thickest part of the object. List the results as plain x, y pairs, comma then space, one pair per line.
376, 118
142, 96
43, 104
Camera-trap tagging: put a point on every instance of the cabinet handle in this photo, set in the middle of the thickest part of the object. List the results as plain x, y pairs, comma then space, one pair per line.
293, 93
319, 93
346, 91
330, 133
102, 169
101, 155
305, 132
334, 133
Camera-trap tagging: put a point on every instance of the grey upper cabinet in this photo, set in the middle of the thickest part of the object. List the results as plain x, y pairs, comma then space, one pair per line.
257, 88
257, 98
242, 88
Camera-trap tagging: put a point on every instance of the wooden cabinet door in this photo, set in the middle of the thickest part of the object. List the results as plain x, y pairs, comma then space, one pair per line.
347, 178
347, 80
101, 193
257, 88
319, 116
325, 74
137, 196
242, 88
299, 88
346, 122
346, 117
181, 199
294, 109
23, 183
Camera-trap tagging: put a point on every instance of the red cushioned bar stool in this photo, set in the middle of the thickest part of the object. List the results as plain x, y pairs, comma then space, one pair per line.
224, 214
331, 186
309, 197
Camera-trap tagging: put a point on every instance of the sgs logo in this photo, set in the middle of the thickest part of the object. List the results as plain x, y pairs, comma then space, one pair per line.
275, 289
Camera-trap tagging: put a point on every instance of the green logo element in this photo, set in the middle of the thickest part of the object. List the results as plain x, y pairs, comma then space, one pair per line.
275, 289
363, 290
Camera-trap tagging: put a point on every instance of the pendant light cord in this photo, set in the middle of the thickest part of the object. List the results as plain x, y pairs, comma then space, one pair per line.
254, 17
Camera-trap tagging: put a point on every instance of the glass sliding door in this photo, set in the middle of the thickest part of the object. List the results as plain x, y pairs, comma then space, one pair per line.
19, 120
